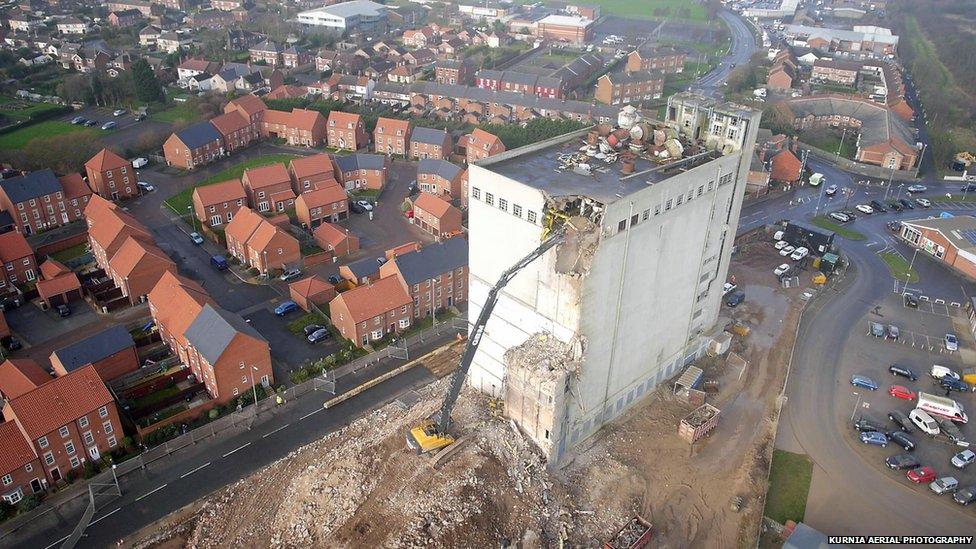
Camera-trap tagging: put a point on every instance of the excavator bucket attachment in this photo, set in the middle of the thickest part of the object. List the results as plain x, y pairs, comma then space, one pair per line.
426, 438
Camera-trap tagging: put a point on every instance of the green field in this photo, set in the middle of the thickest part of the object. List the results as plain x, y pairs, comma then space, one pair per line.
181, 201
654, 9
17, 139
20, 110
829, 140
789, 484
898, 266
179, 111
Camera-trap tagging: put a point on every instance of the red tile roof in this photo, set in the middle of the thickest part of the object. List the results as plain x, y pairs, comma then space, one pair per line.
280, 118
310, 287
243, 225
177, 300
52, 268
225, 191
74, 186
344, 120
264, 234
13, 246
287, 92
230, 122
135, 255
324, 195
432, 204
17, 450
21, 375
60, 401
366, 302
249, 104
304, 119
106, 160
479, 138
331, 234
389, 126
110, 229
61, 284
308, 166
266, 176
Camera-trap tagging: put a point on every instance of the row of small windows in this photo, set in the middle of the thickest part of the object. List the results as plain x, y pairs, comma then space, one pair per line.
530, 215
673, 203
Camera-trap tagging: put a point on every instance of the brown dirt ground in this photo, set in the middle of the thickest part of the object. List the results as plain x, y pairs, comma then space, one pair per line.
361, 487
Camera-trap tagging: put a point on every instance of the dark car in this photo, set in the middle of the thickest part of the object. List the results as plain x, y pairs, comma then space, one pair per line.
907, 204
91, 123
902, 461
911, 301
878, 206
968, 188
894, 226
895, 205
952, 384
735, 298
902, 439
864, 424
320, 335
903, 371
11, 343
356, 208
219, 262
902, 421
965, 496
334, 279
312, 328
63, 310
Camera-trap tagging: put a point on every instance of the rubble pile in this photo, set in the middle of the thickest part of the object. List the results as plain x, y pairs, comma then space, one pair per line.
543, 354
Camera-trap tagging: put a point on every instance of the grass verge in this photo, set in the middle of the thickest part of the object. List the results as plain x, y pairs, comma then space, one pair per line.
18, 139
898, 266
842, 231
789, 484
177, 112
298, 325
181, 201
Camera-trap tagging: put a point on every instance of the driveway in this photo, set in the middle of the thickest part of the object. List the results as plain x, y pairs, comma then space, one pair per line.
35, 326
288, 350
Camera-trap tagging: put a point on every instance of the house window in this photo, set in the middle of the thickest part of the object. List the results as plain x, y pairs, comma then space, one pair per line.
107, 426
83, 422
404, 322
89, 439
376, 334
103, 412
503, 204
531, 216
63, 432
74, 462
7, 480
112, 442
14, 497
49, 458
667, 206
69, 447
216, 220
42, 442
489, 199
28, 467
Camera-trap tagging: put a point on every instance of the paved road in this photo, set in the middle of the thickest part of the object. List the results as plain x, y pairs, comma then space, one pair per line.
742, 48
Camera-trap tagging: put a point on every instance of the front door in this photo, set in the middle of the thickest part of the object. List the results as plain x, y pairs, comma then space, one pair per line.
64, 217
36, 485
56, 474
93, 452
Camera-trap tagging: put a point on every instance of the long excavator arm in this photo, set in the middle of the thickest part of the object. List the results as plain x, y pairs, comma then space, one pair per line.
432, 434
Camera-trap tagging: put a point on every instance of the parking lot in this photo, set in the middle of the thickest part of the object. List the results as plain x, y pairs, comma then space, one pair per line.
128, 130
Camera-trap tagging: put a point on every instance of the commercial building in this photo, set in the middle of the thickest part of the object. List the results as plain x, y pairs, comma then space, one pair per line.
871, 39
565, 28
356, 15
951, 241
650, 241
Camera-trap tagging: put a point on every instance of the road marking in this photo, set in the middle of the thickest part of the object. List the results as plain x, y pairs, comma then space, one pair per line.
311, 414
147, 494
872, 243
266, 435
188, 473
56, 543
241, 447
106, 515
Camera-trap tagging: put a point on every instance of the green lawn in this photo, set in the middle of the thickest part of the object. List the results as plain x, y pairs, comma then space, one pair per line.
181, 201
654, 9
898, 266
17, 109
297, 326
789, 483
824, 223
70, 253
829, 140
177, 112
17, 139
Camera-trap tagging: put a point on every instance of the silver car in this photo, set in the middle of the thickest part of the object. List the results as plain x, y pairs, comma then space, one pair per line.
963, 459
944, 485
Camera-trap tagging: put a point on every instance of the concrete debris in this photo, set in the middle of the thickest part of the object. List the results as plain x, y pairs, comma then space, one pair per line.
575, 254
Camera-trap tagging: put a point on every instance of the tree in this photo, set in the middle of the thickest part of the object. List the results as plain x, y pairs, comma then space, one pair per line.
146, 85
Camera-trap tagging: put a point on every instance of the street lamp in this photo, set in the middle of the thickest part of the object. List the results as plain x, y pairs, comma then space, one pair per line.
856, 404
193, 218
254, 387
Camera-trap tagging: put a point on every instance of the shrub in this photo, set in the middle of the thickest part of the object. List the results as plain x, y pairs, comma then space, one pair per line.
214, 413
6, 510
91, 469
28, 503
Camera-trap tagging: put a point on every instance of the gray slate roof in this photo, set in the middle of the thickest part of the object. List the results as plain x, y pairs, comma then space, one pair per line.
878, 124
213, 330
433, 260
360, 161
364, 267
32, 185
198, 134
94, 348
443, 168
431, 136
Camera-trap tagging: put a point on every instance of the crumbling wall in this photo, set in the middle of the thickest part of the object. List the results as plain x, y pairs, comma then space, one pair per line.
538, 374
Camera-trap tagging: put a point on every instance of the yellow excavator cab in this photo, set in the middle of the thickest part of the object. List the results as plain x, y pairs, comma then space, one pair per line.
425, 438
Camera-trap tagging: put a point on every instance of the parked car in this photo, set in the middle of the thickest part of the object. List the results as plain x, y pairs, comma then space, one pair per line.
950, 383
290, 274
907, 204
944, 485
877, 206
196, 238
365, 205
864, 382
893, 226
877, 329
354, 207
965, 496
781, 244
902, 461
799, 254
11, 343
895, 205
334, 279
951, 342
63, 310
312, 328
109, 125
119, 112
139, 117
903, 371
901, 420
838, 216
285, 307
924, 421
145, 186
781, 270
938, 372
91, 123
892, 331
923, 202
918, 475
917, 188
736, 298
219, 262
787, 251
874, 438
320, 335
963, 459
968, 188
911, 301
79, 120
140, 163
902, 392
831, 190
902, 439
728, 287
864, 208
867, 425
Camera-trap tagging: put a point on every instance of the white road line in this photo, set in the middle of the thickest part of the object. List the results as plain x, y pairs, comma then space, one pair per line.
188, 473
106, 515
311, 414
56, 543
147, 494
241, 447
266, 435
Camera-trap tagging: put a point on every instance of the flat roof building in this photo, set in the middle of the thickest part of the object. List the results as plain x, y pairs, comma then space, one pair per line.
360, 15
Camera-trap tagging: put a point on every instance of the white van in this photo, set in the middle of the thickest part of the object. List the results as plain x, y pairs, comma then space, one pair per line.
942, 406
924, 421
939, 372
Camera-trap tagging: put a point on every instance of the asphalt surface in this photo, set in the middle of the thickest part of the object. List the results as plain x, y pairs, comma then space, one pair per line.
742, 48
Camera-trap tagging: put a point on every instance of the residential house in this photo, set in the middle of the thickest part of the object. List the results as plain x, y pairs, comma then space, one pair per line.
300, 127
436, 215
20, 467
781, 78
449, 71
111, 351
267, 52
668, 60
838, 72
309, 173
170, 42
369, 313
216, 204
174, 303
328, 203
435, 276
361, 171
124, 18
19, 376
430, 143
17, 258
41, 200
362, 271
346, 131
194, 146
269, 188
335, 239
58, 284
480, 144
136, 267
441, 178
311, 291
236, 131
194, 66
67, 421
259, 244
786, 167
418, 38
402, 74
621, 88
72, 25
295, 57
108, 228
111, 176
248, 105
391, 136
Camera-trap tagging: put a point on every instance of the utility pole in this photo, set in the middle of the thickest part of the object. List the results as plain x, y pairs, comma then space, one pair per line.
890, 178
840, 146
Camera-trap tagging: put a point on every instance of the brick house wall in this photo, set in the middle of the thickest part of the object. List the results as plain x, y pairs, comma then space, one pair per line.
19, 271
114, 184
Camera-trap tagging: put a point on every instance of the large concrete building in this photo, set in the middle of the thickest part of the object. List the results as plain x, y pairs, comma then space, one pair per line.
627, 300
357, 15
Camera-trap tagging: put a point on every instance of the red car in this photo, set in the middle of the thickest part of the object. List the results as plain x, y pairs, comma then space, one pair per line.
919, 475
900, 391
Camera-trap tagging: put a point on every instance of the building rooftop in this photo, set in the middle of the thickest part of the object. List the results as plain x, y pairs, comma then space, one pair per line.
92, 349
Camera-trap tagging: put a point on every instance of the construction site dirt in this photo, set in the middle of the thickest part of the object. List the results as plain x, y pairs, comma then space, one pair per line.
362, 487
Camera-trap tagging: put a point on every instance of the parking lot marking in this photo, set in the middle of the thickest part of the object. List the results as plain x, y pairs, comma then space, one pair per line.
923, 298
940, 302
56, 543
954, 304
